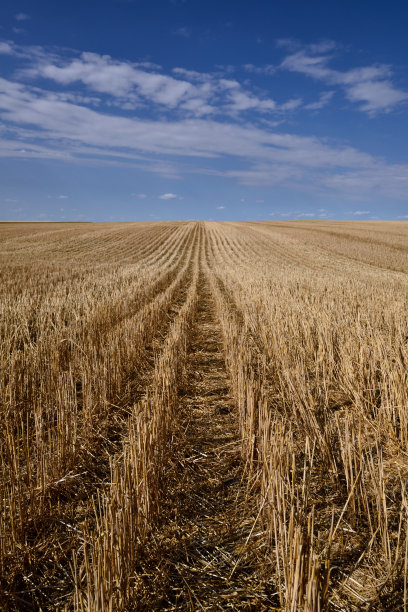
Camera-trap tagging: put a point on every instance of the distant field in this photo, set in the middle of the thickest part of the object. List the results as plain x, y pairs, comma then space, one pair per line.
204, 416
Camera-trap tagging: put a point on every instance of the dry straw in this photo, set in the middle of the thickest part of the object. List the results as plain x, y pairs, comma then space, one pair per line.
96, 324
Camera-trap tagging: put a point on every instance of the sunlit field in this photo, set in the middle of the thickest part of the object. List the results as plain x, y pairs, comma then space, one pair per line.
204, 416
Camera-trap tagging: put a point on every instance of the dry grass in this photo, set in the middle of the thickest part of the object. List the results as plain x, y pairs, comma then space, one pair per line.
104, 330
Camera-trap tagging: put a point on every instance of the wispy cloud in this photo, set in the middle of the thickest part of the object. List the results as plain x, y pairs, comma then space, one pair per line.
324, 99
126, 80
61, 118
369, 86
134, 85
375, 95
271, 158
213, 125
380, 179
63, 197
22, 17
360, 213
220, 207
267, 69
193, 75
242, 101
291, 105
6, 48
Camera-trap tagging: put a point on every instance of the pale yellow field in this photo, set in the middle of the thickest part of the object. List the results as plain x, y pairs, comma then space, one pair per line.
204, 416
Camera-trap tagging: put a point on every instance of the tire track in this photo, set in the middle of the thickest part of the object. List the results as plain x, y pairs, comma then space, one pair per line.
204, 559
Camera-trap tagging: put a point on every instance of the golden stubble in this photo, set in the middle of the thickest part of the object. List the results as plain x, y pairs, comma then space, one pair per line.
96, 322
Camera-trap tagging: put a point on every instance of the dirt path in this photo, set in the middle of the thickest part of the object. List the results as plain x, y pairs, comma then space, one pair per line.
204, 562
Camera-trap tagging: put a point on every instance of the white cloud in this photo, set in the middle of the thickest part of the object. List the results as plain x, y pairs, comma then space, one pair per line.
381, 179
68, 125
242, 101
192, 137
369, 85
359, 213
192, 75
271, 158
169, 196
220, 207
259, 201
375, 95
142, 196
63, 197
135, 84
6, 48
22, 17
291, 104
120, 79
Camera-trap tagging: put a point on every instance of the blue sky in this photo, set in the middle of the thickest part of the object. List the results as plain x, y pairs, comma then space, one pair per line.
193, 109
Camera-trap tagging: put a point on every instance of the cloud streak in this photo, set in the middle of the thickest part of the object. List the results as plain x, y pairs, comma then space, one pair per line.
57, 118
48, 126
369, 86
213, 125
136, 85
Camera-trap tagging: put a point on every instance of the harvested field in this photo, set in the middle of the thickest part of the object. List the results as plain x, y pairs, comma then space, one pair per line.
204, 416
